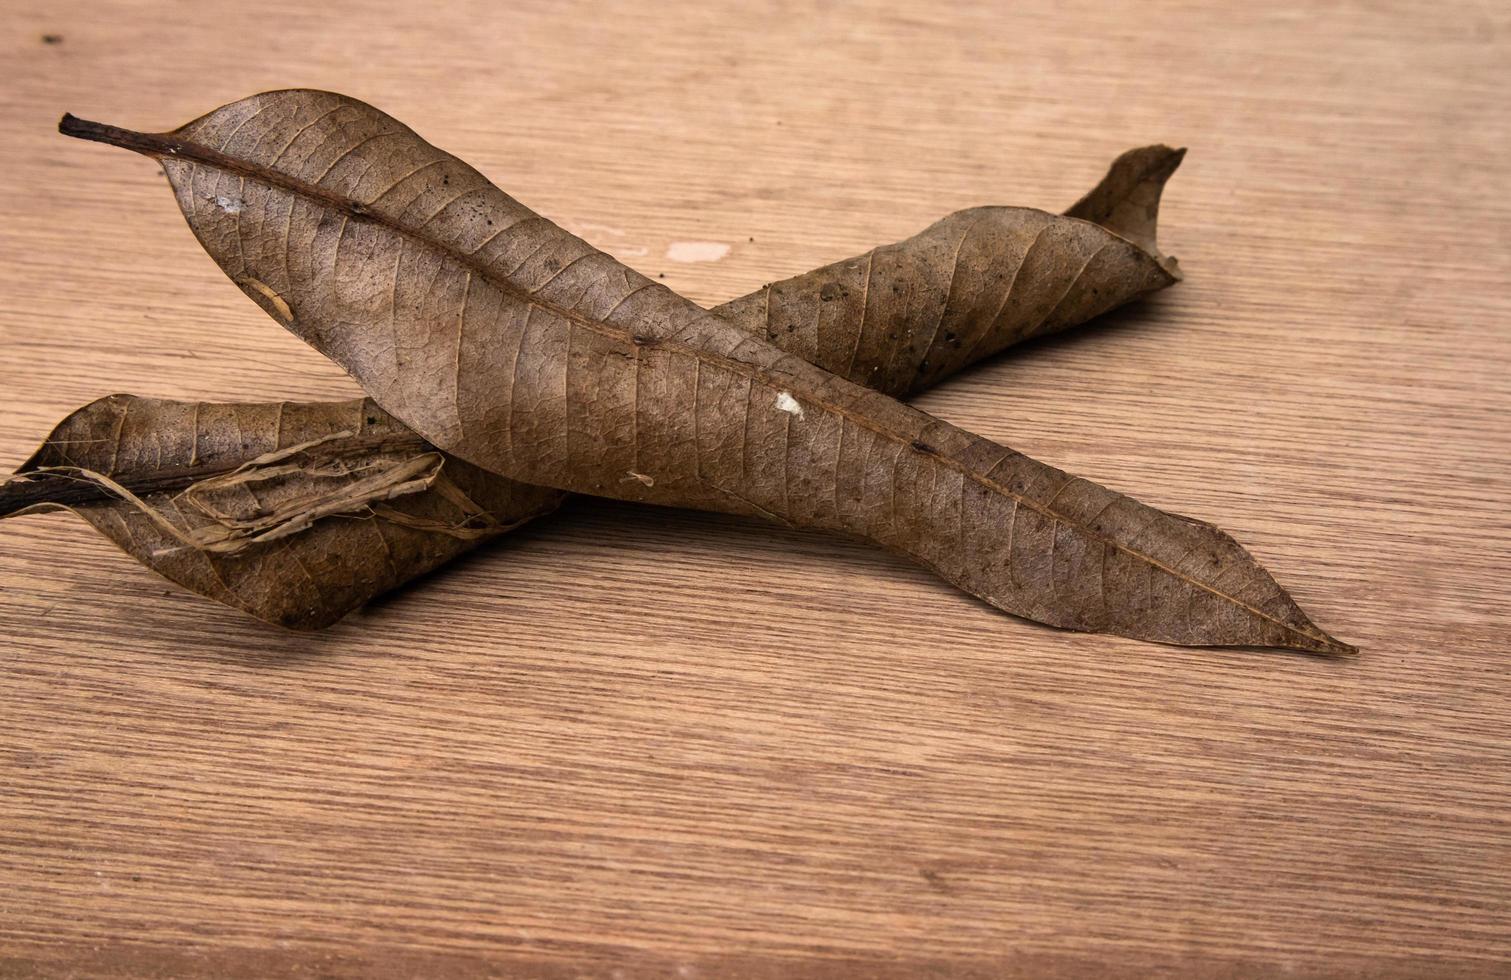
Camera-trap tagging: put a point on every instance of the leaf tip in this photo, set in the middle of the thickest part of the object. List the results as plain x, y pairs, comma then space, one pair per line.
1338, 648
1320, 641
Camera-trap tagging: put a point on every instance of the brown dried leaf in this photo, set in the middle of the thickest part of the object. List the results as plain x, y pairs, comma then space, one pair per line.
295, 513
903, 317
508, 342
339, 564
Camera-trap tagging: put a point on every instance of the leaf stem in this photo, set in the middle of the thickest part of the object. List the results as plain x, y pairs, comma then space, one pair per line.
152, 144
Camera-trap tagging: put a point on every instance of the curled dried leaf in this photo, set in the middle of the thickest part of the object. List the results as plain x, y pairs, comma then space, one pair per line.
294, 513
903, 317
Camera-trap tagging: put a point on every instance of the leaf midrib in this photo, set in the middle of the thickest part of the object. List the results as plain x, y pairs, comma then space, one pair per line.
39, 485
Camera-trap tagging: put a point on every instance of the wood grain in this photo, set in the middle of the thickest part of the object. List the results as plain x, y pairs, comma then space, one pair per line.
674, 744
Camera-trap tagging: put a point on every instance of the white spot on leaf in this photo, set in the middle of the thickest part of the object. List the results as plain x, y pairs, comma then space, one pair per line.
696, 251
788, 404
230, 205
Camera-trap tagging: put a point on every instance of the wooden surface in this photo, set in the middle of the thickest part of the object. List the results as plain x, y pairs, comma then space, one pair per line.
664, 743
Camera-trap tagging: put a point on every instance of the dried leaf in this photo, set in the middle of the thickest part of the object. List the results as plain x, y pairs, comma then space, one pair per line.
237, 502
341, 564
506, 341
903, 317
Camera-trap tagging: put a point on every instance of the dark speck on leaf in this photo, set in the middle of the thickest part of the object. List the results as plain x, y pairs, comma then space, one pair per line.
371, 420
552, 265
52, 39
830, 292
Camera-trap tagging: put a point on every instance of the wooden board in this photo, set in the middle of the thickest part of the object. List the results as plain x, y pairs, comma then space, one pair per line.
671, 744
